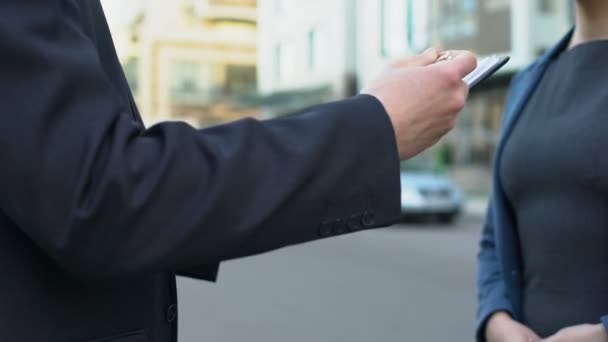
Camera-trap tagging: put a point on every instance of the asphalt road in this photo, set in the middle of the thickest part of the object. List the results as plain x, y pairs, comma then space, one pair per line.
406, 283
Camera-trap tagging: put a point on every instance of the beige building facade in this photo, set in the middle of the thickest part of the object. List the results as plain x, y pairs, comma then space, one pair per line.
192, 60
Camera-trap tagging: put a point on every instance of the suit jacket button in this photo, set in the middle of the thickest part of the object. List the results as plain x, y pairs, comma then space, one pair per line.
368, 220
171, 315
354, 223
339, 227
325, 229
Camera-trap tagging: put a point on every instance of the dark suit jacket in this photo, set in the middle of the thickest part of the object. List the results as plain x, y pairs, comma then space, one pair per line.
499, 280
98, 214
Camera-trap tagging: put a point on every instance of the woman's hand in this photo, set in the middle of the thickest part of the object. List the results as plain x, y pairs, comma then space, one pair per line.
581, 333
502, 328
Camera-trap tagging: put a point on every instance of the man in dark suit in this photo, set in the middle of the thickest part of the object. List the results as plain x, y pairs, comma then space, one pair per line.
98, 213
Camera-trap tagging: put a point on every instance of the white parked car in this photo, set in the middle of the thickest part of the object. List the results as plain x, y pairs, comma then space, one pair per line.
424, 194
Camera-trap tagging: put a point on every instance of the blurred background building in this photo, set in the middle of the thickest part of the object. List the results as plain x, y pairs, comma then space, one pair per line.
212, 61
192, 60
521, 29
306, 52
362, 35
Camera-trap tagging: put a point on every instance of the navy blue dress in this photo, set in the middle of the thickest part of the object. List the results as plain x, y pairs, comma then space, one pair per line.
555, 174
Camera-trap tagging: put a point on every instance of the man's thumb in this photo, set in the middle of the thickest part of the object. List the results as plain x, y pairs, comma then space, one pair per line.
429, 56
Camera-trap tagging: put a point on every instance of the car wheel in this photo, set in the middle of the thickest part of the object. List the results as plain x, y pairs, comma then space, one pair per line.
448, 218
412, 218
407, 218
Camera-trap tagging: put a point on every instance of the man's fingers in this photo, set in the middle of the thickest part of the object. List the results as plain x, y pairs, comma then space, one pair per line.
463, 61
426, 58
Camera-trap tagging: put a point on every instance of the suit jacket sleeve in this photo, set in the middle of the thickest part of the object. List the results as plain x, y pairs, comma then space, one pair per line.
105, 198
491, 289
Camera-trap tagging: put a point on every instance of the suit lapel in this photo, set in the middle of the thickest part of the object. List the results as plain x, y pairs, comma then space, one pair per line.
524, 90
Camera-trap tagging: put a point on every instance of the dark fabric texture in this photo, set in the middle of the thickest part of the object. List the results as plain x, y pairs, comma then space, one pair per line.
500, 266
553, 173
98, 213
499, 260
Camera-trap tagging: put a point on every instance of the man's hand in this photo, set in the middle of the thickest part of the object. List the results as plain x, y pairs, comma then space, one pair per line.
422, 97
581, 333
502, 328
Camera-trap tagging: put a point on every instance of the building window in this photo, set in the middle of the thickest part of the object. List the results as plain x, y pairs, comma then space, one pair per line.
186, 78
478, 130
392, 28
312, 45
458, 19
195, 82
483, 27
285, 57
240, 80
546, 6
417, 24
277, 62
317, 46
